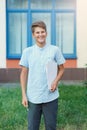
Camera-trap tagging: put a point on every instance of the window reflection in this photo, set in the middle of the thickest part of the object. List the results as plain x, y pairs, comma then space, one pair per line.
17, 4
41, 4
65, 4
65, 32
17, 32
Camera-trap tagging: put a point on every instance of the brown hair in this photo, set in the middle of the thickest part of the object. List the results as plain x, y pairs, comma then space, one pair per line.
38, 24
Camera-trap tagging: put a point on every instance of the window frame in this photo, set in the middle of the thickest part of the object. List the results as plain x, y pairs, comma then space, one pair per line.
29, 12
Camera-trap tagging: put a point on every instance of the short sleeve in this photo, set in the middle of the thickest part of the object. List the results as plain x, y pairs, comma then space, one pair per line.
24, 59
59, 57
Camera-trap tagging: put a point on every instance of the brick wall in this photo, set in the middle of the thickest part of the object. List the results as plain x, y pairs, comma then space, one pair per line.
13, 75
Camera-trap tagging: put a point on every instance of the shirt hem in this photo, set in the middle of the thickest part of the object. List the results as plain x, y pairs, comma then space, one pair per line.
44, 101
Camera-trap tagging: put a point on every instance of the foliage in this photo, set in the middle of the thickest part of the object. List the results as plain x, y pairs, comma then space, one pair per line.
72, 112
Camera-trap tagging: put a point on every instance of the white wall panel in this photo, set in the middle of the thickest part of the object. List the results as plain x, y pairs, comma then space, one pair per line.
2, 33
81, 33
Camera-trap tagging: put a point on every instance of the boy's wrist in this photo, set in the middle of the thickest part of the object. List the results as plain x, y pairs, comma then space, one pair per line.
23, 94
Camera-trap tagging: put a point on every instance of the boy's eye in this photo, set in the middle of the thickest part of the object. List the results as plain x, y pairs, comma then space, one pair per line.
40, 32
37, 32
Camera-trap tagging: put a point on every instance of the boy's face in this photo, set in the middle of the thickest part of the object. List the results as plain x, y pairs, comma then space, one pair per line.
40, 35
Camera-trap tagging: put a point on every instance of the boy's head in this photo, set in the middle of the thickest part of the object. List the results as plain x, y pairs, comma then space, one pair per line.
40, 24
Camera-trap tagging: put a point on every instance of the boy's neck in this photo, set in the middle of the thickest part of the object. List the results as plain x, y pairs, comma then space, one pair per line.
41, 44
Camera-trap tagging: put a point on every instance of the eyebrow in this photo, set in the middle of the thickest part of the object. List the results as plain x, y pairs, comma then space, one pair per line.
41, 31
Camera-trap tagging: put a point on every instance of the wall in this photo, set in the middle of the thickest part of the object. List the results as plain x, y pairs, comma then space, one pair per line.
81, 33
15, 63
2, 34
72, 74
81, 37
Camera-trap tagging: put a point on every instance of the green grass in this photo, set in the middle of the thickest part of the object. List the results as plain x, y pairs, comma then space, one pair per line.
72, 113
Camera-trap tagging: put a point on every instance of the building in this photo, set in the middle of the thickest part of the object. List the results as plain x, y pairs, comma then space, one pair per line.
66, 24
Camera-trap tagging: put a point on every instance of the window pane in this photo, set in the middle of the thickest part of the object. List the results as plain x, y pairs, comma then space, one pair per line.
41, 4
17, 32
46, 17
65, 32
65, 4
17, 4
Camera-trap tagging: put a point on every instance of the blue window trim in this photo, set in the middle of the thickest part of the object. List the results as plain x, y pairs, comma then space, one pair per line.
29, 21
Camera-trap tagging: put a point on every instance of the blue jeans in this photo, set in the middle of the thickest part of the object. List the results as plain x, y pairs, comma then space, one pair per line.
49, 111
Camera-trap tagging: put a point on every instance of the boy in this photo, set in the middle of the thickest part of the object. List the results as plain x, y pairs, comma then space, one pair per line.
39, 98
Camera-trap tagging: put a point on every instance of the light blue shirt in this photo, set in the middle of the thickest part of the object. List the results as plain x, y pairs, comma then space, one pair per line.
36, 58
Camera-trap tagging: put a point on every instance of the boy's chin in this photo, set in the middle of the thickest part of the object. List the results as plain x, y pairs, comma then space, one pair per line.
42, 41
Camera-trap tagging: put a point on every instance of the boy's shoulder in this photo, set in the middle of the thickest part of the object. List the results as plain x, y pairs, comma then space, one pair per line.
28, 49
54, 47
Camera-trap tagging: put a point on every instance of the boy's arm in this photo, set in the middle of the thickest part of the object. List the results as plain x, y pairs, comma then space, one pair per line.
59, 76
23, 81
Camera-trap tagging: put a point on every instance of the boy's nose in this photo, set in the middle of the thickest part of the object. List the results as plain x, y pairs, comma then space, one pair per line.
40, 34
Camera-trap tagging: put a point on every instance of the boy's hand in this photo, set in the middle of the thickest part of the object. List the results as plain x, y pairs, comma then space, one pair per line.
25, 101
54, 86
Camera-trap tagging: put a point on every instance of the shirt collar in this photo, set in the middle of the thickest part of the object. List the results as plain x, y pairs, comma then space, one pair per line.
41, 48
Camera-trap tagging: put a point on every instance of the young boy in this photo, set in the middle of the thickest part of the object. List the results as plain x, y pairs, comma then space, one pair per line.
39, 98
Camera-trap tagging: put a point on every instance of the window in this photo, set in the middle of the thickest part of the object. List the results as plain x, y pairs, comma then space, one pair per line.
17, 33
59, 16
65, 4
65, 32
39, 3
17, 4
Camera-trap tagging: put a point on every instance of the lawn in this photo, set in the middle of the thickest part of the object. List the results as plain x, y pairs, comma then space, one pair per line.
72, 113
